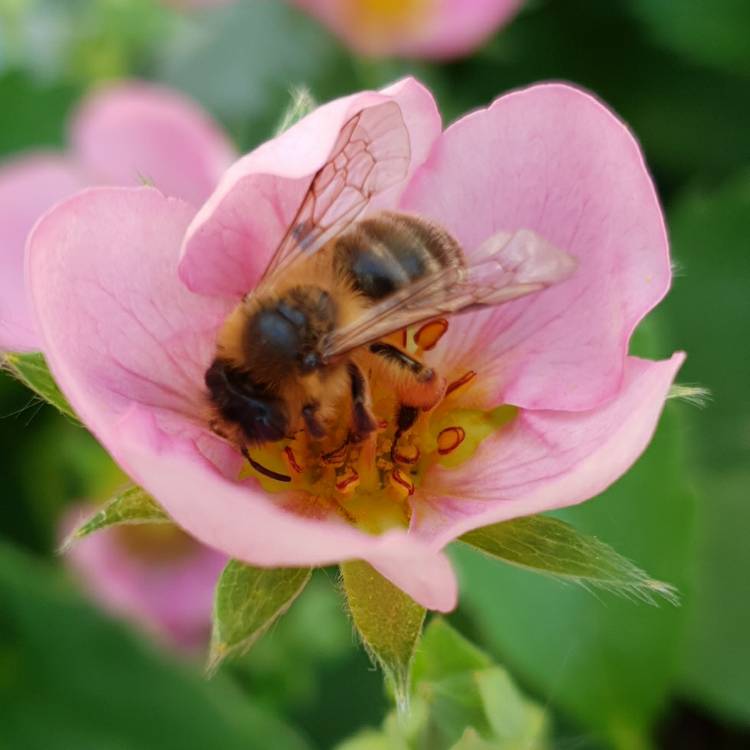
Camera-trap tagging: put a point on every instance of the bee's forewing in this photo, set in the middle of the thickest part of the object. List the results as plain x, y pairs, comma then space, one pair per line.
505, 267
371, 154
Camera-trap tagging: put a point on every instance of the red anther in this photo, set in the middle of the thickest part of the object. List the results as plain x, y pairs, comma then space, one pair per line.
449, 439
463, 380
382, 424
348, 481
291, 460
407, 454
430, 333
401, 482
404, 338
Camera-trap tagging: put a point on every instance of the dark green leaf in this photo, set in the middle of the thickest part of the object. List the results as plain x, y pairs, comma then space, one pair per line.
131, 506
247, 602
98, 687
32, 371
548, 545
388, 621
707, 310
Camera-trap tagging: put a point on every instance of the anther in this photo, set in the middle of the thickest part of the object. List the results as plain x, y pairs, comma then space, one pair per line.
449, 439
427, 337
406, 454
347, 481
291, 460
401, 483
462, 381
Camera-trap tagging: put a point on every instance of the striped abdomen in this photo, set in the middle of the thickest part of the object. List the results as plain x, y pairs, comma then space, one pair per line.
384, 253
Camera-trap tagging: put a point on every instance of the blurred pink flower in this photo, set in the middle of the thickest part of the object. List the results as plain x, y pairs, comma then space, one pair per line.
433, 29
130, 288
121, 135
153, 575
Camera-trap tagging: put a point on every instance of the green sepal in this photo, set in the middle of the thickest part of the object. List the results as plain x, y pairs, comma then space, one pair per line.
388, 621
31, 370
247, 601
301, 104
553, 547
131, 506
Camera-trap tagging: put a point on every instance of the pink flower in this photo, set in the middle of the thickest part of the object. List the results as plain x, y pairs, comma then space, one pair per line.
153, 575
433, 29
121, 135
131, 287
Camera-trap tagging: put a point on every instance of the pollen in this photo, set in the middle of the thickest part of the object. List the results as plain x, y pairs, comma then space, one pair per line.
427, 337
449, 439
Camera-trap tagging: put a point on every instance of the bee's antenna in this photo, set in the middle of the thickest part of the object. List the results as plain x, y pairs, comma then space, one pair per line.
263, 470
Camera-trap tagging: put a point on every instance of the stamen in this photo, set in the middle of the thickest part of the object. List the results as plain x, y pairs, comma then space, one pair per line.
347, 481
462, 381
291, 460
401, 483
449, 439
430, 333
404, 337
406, 454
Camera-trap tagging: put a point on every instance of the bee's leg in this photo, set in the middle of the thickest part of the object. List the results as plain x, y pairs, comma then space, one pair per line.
414, 383
310, 416
363, 422
270, 473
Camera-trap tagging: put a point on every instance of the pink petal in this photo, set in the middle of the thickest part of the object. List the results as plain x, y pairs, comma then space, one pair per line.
28, 187
134, 132
170, 598
554, 160
436, 29
116, 323
548, 459
234, 234
128, 344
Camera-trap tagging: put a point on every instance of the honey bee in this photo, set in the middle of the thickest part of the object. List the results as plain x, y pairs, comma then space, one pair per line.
299, 351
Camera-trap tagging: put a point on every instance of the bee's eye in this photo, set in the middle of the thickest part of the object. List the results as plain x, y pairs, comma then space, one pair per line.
275, 331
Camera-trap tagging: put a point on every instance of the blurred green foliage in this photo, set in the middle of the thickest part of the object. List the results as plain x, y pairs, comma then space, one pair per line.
611, 673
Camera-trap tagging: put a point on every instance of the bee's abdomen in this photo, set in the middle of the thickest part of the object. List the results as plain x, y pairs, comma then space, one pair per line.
388, 251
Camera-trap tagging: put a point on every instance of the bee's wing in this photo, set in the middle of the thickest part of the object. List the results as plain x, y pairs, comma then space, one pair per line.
371, 154
504, 268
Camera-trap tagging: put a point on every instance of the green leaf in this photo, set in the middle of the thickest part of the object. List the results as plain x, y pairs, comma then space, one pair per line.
301, 104
132, 506
567, 644
548, 545
99, 687
460, 699
388, 621
247, 602
31, 369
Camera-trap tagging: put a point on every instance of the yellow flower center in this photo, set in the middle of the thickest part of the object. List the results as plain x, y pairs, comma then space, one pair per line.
377, 20
372, 483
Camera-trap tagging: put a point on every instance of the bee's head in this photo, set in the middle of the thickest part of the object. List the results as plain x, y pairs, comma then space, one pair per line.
285, 337
260, 416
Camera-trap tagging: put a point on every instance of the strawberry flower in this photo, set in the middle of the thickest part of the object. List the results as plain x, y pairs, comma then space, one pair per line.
123, 134
152, 575
431, 29
544, 406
